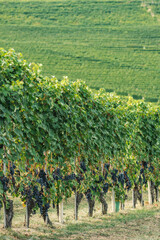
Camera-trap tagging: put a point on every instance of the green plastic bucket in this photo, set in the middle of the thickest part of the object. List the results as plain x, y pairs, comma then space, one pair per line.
117, 206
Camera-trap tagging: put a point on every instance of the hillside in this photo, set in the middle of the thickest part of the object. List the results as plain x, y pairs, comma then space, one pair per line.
110, 44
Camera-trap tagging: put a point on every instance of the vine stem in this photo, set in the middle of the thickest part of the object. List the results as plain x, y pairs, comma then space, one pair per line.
102, 169
75, 209
4, 211
157, 195
46, 159
113, 201
142, 202
27, 215
4, 199
27, 208
75, 200
133, 199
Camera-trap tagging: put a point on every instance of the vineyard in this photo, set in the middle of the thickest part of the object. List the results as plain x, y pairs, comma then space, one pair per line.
109, 44
59, 139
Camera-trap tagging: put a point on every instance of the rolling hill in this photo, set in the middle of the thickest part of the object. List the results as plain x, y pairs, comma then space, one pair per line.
109, 44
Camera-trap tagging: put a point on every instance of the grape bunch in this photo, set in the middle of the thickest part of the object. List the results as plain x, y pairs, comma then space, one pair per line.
57, 174
72, 176
127, 181
142, 178
43, 179
114, 176
105, 187
121, 179
83, 167
5, 183
88, 194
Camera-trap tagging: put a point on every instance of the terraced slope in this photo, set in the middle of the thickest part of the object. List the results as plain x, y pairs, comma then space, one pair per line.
110, 44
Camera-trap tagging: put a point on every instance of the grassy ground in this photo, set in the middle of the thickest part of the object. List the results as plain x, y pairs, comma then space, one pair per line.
138, 224
110, 44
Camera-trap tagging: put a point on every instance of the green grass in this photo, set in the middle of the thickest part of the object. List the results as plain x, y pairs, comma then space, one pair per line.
142, 223
109, 44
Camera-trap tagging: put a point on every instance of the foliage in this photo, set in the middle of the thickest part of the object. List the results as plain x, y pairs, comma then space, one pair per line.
58, 137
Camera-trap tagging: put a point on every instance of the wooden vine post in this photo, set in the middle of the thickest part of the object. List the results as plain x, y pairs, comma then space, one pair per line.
27, 215
122, 206
149, 193
61, 212
157, 195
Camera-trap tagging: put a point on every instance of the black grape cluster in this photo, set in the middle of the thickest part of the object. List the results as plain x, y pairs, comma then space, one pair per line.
43, 179
105, 187
127, 181
12, 172
27, 192
121, 179
151, 168
12, 169
99, 180
144, 166
88, 194
5, 183
38, 196
33, 195
106, 167
142, 178
105, 173
114, 176
83, 167
57, 174
79, 178
1, 205
102, 181
72, 176
94, 189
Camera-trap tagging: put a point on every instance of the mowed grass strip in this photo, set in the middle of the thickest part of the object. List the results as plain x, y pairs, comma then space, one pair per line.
109, 44
140, 224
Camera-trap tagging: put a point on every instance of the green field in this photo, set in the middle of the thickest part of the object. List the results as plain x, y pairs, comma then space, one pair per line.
109, 44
